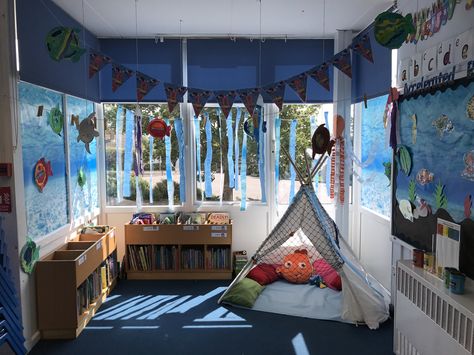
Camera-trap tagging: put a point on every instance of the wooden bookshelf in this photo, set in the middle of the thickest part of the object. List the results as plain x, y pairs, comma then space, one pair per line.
61, 274
178, 251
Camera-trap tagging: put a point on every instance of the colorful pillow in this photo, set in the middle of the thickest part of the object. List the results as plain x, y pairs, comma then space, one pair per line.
244, 293
264, 274
296, 267
330, 276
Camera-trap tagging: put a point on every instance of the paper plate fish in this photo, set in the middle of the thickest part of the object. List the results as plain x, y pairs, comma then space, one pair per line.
470, 108
29, 255
443, 125
63, 43
87, 131
41, 172
320, 140
392, 29
296, 267
424, 177
405, 208
158, 128
422, 210
56, 119
81, 177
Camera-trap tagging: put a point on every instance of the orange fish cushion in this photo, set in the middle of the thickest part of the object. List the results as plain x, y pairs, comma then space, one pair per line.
296, 267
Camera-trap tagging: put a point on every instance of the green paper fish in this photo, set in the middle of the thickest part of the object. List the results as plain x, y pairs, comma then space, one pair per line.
29, 254
388, 170
81, 177
63, 43
55, 120
392, 29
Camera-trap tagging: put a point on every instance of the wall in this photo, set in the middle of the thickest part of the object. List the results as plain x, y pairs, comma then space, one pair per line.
35, 19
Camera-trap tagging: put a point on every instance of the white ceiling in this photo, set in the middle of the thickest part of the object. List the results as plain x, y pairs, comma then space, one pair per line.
209, 18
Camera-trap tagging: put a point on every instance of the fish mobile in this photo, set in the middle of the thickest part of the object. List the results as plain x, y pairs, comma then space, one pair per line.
158, 128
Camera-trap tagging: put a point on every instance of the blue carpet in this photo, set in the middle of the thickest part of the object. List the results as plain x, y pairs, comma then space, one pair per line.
140, 317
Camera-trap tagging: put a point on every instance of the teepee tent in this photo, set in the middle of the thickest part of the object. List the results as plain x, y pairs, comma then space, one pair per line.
306, 224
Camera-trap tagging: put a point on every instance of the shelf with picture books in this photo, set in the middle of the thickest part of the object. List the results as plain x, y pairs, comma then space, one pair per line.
74, 280
178, 251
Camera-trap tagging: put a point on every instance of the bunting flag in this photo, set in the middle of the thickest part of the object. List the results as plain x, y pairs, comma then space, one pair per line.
118, 151
208, 160
243, 175
321, 75
249, 98
237, 149
230, 151
128, 153
174, 94
342, 61
144, 85
225, 100
169, 176
120, 74
298, 83
178, 129
97, 61
198, 98
361, 45
277, 156
292, 149
276, 92
197, 135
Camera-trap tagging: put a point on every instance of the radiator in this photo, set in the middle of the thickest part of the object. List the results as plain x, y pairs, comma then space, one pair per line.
429, 320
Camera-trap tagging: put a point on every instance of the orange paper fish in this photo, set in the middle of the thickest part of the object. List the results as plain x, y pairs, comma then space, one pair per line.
296, 267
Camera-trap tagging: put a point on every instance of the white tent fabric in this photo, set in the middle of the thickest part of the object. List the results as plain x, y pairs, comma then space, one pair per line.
364, 299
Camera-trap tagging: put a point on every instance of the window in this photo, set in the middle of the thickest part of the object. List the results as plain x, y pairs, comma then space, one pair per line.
120, 162
219, 159
304, 119
376, 158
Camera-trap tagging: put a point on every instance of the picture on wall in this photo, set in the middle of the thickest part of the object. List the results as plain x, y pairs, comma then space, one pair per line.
434, 168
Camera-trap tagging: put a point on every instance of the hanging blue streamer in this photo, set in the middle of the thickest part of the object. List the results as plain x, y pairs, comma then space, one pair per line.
178, 128
230, 151
128, 159
313, 123
208, 161
328, 177
118, 151
243, 175
151, 169
293, 156
169, 177
326, 119
237, 148
261, 156
277, 156
197, 135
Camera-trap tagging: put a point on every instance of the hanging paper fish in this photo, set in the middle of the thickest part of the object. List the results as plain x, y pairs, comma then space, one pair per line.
405, 208
413, 129
443, 125
424, 177
467, 206
320, 140
63, 43
55, 120
158, 128
81, 177
468, 172
391, 29
41, 172
87, 131
470, 108
404, 158
248, 129
29, 254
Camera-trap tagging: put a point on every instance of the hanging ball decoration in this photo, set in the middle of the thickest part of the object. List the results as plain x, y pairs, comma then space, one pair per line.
320, 140
158, 128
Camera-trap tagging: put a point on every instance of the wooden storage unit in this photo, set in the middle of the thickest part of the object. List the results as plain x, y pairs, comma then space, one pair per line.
194, 248
60, 274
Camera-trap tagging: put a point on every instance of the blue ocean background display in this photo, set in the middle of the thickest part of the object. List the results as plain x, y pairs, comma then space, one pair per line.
48, 210
84, 200
441, 147
375, 189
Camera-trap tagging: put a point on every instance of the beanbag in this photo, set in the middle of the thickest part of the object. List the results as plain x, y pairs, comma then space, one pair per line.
330, 276
264, 274
244, 293
296, 267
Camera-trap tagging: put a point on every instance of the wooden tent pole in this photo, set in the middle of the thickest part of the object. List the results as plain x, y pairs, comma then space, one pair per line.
318, 165
300, 177
307, 169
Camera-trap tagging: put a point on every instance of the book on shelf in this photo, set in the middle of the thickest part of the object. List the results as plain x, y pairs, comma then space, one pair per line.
218, 218
167, 218
143, 218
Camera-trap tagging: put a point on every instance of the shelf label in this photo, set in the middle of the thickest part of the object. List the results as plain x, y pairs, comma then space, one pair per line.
82, 259
98, 246
190, 228
218, 235
151, 228
219, 228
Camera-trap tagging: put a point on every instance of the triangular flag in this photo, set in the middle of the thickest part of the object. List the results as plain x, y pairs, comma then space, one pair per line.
298, 83
144, 85
361, 45
225, 100
97, 61
174, 94
321, 75
120, 74
198, 98
249, 98
342, 61
276, 92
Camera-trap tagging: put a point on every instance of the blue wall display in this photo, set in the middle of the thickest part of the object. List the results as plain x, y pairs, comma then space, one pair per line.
85, 199
375, 191
46, 211
440, 184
